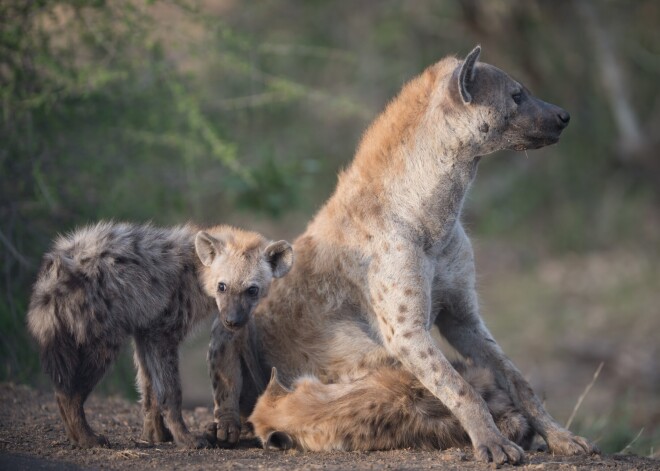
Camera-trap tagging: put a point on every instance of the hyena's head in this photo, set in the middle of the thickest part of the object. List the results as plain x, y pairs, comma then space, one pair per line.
238, 268
271, 414
490, 110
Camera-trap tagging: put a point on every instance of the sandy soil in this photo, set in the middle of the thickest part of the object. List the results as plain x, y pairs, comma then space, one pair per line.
32, 437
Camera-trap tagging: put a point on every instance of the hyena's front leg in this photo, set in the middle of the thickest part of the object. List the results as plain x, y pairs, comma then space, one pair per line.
226, 379
162, 364
460, 324
402, 307
154, 429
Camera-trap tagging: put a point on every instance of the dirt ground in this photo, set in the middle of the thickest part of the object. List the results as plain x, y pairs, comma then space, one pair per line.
32, 437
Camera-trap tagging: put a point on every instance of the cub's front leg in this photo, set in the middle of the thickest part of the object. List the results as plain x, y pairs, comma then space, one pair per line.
401, 305
224, 359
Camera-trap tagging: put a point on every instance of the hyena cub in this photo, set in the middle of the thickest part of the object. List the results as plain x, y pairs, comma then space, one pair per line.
109, 281
384, 410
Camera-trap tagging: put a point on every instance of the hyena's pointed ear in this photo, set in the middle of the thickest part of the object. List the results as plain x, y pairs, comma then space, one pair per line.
278, 440
466, 74
275, 388
279, 256
207, 247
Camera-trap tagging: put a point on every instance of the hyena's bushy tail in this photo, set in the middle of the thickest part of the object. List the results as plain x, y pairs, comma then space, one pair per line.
50, 322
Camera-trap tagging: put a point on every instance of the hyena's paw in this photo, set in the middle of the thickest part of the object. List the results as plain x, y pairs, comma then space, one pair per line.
155, 431
191, 441
92, 441
225, 433
494, 447
563, 442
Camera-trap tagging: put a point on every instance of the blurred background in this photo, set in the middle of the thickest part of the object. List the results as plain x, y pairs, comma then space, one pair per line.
244, 112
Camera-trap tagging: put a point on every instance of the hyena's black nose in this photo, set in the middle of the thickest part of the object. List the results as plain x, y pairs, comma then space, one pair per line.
563, 118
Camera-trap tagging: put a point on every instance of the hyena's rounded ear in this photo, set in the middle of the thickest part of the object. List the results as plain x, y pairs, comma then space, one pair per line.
207, 247
278, 440
279, 256
466, 74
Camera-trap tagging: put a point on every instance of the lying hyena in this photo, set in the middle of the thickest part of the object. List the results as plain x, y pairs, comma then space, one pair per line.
105, 282
386, 409
387, 258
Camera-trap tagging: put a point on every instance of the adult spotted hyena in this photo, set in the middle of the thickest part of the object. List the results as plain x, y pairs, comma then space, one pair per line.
105, 282
388, 408
387, 257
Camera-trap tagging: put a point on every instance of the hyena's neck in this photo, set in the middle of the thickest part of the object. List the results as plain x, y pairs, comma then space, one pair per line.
417, 167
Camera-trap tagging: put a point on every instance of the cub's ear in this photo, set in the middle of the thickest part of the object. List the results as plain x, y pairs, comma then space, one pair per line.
275, 388
207, 247
280, 257
466, 74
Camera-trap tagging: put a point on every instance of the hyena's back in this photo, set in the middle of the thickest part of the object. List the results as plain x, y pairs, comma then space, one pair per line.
103, 282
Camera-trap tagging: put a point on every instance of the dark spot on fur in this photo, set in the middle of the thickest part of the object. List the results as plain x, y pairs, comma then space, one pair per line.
45, 299
403, 308
408, 292
409, 334
458, 405
431, 350
386, 247
462, 392
388, 338
483, 127
401, 319
435, 367
391, 329
74, 282
423, 355
404, 351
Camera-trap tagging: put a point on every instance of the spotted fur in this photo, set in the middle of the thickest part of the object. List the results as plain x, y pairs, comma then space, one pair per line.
387, 257
106, 282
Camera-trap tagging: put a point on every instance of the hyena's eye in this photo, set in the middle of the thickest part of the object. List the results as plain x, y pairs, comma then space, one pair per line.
517, 97
252, 291
222, 287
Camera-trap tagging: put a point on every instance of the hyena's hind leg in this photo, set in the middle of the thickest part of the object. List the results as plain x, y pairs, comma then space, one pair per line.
154, 429
161, 359
92, 363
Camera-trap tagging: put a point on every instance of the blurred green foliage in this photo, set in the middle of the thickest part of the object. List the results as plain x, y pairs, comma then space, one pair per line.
175, 109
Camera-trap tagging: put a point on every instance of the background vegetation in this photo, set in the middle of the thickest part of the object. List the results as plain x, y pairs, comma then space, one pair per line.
243, 112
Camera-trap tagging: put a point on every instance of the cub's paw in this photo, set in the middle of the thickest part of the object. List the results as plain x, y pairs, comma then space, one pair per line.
155, 431
93, 441
191, 441
227, 432
563, 442
498, 449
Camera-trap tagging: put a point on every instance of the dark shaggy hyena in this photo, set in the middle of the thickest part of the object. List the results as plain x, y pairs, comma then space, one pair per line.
109, 281
386, 409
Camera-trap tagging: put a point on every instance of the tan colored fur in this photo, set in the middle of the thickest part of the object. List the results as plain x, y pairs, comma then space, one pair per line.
387, 256
386, 409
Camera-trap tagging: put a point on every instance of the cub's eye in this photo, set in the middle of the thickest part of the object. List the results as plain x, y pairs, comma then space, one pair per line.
252, 291
517, 98
222, 287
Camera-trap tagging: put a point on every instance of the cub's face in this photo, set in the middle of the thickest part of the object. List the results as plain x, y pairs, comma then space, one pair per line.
237, 274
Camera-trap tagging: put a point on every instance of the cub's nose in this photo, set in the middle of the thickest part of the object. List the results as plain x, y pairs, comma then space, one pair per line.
563, 117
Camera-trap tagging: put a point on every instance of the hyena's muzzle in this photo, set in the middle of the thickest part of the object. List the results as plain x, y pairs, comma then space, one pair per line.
535, 124
235, 311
